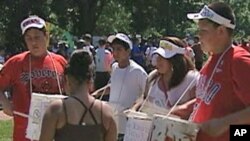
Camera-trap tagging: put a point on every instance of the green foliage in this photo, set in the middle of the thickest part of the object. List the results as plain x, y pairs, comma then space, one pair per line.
102, 17
6, 130
114, 18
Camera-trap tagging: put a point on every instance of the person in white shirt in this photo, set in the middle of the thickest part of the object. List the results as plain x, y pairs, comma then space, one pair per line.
175, 75
150, 63
128, 80
103, 60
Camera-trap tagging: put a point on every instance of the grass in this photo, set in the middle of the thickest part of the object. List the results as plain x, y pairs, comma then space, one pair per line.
6, 130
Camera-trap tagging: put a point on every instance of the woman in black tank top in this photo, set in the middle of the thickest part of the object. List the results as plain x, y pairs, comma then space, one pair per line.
78, 117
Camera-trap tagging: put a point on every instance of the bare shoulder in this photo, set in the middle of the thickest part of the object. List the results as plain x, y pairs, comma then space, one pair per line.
55, 107
107, 110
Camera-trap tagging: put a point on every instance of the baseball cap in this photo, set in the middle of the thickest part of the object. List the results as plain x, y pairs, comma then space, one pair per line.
121, 36
207, 13
167, 49
32, 21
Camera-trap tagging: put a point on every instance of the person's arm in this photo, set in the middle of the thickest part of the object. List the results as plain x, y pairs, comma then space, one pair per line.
137, 104
109, 124
222, 124
7, 106
184, 110
50, 120
102, 91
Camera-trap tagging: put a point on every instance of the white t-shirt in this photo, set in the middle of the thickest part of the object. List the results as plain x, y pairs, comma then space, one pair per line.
158, 98
103, 60
127, 84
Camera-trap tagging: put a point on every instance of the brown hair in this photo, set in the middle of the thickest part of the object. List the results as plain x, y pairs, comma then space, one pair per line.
225, 11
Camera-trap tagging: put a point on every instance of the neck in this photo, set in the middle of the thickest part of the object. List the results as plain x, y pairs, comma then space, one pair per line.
82, 93
166, 78
123, 64
40, 56
222, 47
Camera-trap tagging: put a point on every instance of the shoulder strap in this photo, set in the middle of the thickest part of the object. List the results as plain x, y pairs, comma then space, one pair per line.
77, 99
92, 115
149, 82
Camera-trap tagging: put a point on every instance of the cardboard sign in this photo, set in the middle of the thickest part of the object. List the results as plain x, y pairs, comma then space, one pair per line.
38, 106
138, 127
173, 129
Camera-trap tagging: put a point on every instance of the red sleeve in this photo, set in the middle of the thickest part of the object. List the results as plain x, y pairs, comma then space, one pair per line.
7, 74
241, 75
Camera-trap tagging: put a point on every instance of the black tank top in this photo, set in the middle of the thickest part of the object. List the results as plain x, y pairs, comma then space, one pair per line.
81, 132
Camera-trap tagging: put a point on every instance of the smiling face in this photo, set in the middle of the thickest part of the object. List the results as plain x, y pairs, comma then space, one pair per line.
36, 40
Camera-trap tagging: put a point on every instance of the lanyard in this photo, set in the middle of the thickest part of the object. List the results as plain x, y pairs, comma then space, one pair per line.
57, 77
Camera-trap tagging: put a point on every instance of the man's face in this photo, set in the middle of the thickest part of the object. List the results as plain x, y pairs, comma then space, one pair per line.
119, 53
36, 41
208, 34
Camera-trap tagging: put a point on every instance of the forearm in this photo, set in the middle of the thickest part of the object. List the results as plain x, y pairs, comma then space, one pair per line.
222, 124
137, 104
7, 108
184, 110
241, 117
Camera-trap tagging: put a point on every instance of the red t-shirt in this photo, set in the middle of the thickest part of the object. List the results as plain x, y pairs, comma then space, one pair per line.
15, 75
228, 91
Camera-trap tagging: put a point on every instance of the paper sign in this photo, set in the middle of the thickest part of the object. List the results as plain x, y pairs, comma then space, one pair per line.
173, 129
38, 106
137, 129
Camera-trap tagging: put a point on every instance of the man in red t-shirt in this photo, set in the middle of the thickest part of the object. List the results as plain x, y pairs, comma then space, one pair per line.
36, 70
223, 97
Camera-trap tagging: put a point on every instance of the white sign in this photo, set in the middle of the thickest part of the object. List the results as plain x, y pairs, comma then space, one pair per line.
137, 129
169, 128
38, 105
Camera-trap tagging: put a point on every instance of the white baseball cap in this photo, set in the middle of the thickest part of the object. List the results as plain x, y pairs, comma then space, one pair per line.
32, 21
122, 37
207, 13
167, 49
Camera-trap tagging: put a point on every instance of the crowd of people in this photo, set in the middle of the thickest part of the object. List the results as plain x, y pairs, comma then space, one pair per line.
209, 72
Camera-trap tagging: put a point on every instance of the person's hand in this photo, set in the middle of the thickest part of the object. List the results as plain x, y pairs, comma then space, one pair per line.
7, 108
214, 127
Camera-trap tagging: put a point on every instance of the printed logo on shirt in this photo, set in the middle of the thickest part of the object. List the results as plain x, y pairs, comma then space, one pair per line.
43, 80
41, 73
207, 92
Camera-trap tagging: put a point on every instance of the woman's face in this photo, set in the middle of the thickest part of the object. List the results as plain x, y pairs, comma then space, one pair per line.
163, 65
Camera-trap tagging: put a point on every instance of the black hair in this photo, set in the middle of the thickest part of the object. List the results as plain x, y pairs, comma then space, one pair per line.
79, 66
102, 41
120, 42
225, 11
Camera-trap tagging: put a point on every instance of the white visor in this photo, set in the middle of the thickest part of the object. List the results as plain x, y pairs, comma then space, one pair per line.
167, 49
207, 13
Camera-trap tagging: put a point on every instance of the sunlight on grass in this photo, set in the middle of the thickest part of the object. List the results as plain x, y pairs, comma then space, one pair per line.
6, 130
